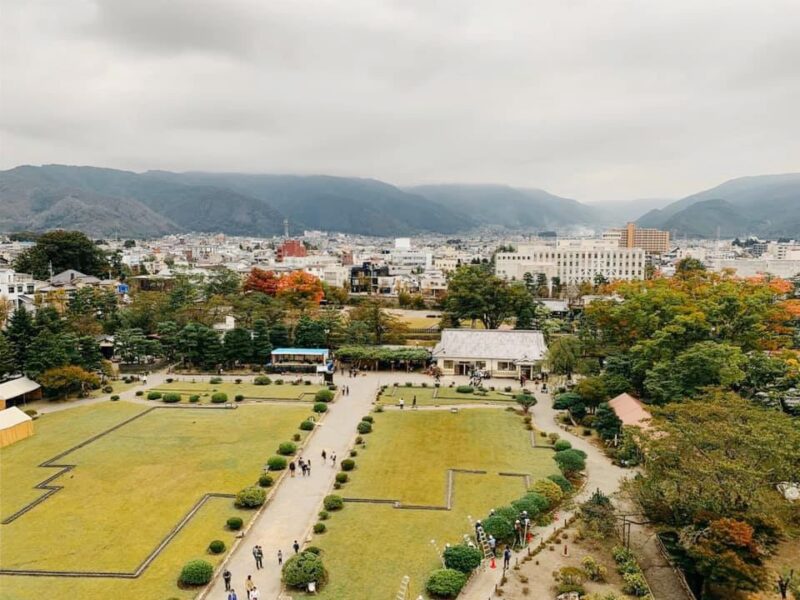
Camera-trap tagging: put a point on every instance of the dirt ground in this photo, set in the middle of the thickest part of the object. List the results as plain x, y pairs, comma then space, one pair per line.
534, 577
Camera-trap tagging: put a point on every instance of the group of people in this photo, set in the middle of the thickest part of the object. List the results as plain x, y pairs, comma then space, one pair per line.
249, 585
303, 464
492, 543
402, 403
325, 457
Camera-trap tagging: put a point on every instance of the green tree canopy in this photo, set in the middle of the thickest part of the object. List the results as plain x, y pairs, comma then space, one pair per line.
63, 250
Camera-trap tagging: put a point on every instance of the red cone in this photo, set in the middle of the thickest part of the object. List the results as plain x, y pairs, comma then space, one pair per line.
492, 565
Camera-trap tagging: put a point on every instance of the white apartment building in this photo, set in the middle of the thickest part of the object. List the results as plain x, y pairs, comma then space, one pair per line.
573, 261
16, 287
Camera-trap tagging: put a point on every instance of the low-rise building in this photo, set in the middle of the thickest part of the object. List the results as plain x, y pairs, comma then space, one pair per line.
511, 353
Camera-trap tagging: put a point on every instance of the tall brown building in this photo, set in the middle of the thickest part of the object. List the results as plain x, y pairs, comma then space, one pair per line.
652, 241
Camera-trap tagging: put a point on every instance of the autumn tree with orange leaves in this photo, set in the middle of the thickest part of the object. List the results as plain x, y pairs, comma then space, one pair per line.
298, 288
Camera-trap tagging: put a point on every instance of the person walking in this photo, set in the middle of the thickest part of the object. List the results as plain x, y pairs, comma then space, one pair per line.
258, 554
232, 595
255, 594
324, 456
248, 586
402, 403
280, 557
308, 466
333, 459
226, 577
292, 467
296, 547
506, 558
414, 402
493, 545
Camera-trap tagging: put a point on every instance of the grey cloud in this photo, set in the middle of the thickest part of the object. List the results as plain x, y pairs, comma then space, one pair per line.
612, 99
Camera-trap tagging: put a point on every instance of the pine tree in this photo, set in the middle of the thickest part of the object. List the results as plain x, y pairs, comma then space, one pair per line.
262, 347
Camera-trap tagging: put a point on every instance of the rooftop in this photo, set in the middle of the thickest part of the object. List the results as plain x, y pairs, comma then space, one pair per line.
516, 344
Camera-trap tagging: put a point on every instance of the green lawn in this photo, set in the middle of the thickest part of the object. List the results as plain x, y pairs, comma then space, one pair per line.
443, 396
128, 490
368, 548
285, 391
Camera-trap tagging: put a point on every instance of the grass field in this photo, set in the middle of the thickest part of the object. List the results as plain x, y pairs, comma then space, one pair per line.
285, 391
128, 490
368, 548
444, 396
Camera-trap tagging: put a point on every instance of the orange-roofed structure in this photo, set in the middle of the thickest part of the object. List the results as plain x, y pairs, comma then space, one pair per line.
630, 411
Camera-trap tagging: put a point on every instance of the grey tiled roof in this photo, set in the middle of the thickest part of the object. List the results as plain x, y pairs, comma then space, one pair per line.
491, 344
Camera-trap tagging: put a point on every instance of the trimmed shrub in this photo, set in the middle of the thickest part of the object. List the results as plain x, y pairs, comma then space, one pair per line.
196, 572
465, 389
635, 584
265, 481
314, 550
541, 502
108, 389
320, 407
279, 382
31, 412
549, 490
319, 528
364, 427
445, 583
276, 463
250, 497
169, 380
139, 393
348, 464
215, 380
237, 380
323, 515
302, 569
287, 448
353, 453
501, 528
570, 461
296, 437
216, 547
262, 380
307, 425
194, 398
333, 502
171, 398
323, 396
462, 558
308, 382
234, 523
219, 397
562, 445
561, 482
368, 419
409, 384
337, 485
342, 477
507, 512
528, 505
153, 395
238, 397
359, 439
114, 398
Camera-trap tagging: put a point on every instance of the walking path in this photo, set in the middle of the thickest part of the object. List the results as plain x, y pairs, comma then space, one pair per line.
602, 474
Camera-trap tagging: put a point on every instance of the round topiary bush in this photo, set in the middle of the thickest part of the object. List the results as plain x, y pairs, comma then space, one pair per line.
561, 482
108, 389
353, 453
528, 505
219, 397
348, 464
333, 502
320, 407
153, 395
234, 523
342, 477
319, 528
549, 490
364, 427
196, 572
216, 547
250, 497
169, 380
313, 550
571, 462
171, 398
296, 437
541, 502
561, 445
279, 382
501, 528
262, 380
276, 463
445, 583
237, 380
302, 569
238, 397
368, 419
265, 481
323, 396
462, 558
114, 398
307, 425
215, 380
194, 398
139, 393
323, 515
287, 448
465, 389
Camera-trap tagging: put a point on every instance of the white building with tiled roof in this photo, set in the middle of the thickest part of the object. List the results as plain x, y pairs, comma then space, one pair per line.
503, 353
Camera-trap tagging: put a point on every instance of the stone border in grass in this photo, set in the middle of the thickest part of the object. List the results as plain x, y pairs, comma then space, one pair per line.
65, 468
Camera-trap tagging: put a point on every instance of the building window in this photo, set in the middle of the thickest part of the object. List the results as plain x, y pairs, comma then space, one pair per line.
505, 366
448, 364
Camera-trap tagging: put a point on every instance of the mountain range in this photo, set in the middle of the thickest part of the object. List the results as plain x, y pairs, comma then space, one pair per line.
104, 202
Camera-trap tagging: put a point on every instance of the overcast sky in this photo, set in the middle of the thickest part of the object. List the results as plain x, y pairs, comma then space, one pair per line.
593, 99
